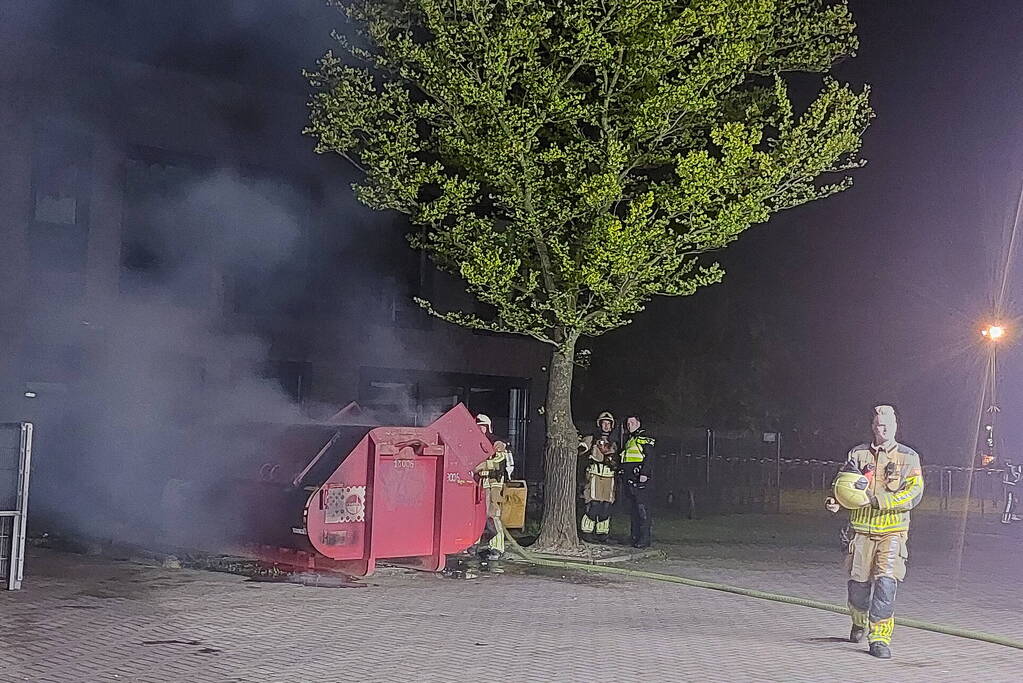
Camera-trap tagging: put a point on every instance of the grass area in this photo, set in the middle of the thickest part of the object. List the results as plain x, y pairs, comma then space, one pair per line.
813, 502
933, 528
802, 524
756, 529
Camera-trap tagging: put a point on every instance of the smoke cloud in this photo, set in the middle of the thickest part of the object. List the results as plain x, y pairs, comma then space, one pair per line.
163, 375
168, 384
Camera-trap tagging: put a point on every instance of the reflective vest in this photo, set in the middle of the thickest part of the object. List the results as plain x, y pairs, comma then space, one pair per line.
493, 470
633, 451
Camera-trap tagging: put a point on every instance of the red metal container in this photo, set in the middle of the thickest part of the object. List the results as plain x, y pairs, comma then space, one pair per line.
405, 494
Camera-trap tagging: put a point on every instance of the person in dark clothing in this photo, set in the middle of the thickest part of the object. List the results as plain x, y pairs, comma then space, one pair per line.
635, 457
1010, 480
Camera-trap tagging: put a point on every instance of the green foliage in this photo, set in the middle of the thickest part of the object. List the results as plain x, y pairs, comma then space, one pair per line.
571, 159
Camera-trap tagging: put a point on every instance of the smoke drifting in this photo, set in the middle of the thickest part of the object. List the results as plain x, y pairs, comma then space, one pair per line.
154, 371
165, 381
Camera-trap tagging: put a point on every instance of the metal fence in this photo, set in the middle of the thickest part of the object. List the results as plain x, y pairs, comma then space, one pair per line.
15, 466
746, 475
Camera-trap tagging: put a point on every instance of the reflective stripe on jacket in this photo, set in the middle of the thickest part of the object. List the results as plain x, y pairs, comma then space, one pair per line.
898, 485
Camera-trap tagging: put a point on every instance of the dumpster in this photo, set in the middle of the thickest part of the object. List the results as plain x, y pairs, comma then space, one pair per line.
404, 494
335, 495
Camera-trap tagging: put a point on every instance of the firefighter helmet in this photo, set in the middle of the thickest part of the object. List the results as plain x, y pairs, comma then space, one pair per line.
484, 421
850, 490
606, 416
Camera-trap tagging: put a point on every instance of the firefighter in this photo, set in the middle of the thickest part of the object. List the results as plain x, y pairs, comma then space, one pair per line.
1010, 479
493, 473
635, 459
487, 427
601, 453
880, 483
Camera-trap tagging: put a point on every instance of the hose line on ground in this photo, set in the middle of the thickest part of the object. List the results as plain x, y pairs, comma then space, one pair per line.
531, 558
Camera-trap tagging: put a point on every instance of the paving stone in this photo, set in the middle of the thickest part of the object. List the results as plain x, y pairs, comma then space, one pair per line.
89, 619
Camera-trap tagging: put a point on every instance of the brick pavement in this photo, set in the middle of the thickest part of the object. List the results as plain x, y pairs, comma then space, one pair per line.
765, 554
88, 619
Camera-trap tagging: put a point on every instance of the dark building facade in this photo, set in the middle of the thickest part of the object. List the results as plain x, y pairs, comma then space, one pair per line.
175, 254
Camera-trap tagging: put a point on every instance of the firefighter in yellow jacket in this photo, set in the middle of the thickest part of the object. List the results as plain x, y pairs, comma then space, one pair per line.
880, 483
493, 473
601, 452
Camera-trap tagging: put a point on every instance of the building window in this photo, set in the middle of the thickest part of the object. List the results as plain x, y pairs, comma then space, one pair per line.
423, 396
389, 396
60, 200
56, 189
189, 222
271, 268
160, 257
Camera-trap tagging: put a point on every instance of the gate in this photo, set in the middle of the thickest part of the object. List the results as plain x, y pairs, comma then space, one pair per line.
15, 464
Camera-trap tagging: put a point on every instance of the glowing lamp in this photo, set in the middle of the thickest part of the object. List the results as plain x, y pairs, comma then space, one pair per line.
993, 332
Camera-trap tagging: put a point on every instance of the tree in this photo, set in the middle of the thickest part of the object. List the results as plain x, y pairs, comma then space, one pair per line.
571, 159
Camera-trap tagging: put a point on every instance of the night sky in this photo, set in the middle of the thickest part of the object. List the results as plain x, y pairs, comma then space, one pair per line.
878, 294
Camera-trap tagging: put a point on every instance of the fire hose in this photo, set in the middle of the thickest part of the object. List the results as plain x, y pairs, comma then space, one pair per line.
531, 558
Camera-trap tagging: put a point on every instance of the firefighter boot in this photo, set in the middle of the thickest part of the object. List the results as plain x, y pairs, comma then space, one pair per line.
882, 616
490, 562
880, 650
859, 603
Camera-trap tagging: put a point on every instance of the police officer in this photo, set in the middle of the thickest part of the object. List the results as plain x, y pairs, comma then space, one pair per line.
880, 483
636, 453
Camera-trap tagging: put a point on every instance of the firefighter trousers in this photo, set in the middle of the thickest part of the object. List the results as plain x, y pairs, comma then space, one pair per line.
494, 531
597, 518
876, 565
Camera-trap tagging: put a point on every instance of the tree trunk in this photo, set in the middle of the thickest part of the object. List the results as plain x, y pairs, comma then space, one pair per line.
558, 529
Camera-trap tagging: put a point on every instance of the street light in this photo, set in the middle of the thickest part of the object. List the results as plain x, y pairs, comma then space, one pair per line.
993, 332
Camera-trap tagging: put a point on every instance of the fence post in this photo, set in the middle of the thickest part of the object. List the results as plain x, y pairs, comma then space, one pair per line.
982, 500
710, 437
777, 474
